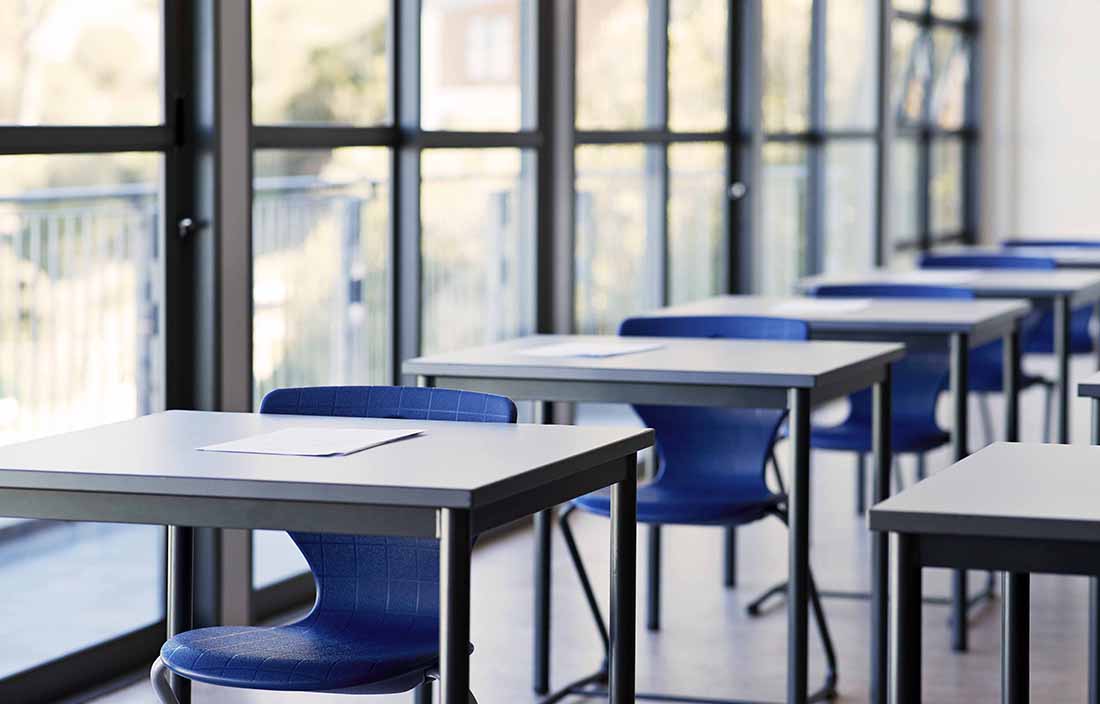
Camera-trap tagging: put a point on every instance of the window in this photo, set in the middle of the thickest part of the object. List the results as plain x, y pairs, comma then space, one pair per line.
83, 311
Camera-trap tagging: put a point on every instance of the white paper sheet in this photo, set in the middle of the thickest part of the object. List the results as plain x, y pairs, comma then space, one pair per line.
313, 442
590, 349
817, 306
924, 276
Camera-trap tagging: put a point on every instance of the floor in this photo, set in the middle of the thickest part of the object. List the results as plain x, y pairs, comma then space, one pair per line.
709, 647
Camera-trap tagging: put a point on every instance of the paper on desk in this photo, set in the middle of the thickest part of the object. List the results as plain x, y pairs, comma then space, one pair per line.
313, 442
811, 306
924, 276
590, 349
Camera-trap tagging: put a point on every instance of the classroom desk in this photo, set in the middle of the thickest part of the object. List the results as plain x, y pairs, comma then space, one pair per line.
1060, 290
1064, 257
1016, 508
444, 484
745, 373
953, 326
1090, 388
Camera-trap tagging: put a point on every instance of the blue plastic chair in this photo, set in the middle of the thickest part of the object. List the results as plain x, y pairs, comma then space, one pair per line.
1026, 242
918, 380
711, 461
374, 628
1040, 337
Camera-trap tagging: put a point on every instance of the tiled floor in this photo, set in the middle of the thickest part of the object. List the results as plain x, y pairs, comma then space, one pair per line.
709, 647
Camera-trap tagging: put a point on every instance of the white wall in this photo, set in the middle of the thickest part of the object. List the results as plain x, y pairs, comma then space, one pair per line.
1041, 126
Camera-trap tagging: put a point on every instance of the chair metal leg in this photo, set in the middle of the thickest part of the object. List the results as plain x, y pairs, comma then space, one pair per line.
158, 677
861, 484
1049, 403
582, 574
729, 557
987, 417
777, 473
423, 693
653, 575
899, 481
922, 467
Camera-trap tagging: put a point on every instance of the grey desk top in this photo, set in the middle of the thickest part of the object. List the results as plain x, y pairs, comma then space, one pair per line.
902, 316
1008, 490
677, 361
1064, 257
456, 465
1080, 285
1089, 387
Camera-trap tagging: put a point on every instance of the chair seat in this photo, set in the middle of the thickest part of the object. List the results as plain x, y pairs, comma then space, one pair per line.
309, 656
688, 506
854, 436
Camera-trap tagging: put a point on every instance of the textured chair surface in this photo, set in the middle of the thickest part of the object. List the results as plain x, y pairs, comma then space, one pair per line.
711, 460
375, 624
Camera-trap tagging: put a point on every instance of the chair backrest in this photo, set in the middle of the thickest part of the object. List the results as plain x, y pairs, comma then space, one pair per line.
892, 291
718, 450
386, 581
1023, 242
985, 261
920, 377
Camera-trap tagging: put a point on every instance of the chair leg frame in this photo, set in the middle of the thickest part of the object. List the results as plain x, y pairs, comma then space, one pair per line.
158, 677
587, 686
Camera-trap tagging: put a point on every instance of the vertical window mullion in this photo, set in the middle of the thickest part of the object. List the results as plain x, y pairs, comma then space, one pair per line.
656, 160
405, 213
815, 159
885, 129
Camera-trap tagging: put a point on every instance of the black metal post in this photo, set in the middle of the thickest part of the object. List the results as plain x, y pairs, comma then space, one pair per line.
543, 522
454, 606
624, 525
905, 636
423, 694
653, 578
1011, 385
1094, 595
181, 543
729, 560
1015, 637
798, 580
1061, 352
960, 347
861, 484
880, 548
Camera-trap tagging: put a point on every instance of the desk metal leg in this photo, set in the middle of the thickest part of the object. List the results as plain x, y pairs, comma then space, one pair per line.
880, 547
905, 636
624, 527
960, 348
454, 606
181, 543
1015, 637
1061, 352
653, 578
1011, 363
543, 523
1094, 595
799, 548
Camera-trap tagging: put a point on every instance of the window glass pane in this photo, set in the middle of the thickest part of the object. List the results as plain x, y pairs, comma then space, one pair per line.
905, 205
851, 47
951, 9
86, 63
472, 55
946, 186
611, 64
952, 72
849, 206
696, 221
320, 289
320, 61
477, 246
912, 70
697, 65
786, 65
919, 6
781, 242
617, 241
79, 346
